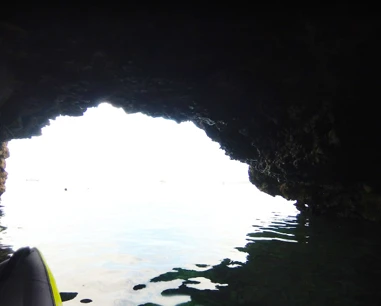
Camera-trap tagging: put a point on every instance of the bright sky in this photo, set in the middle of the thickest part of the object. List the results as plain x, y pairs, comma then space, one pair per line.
108, 146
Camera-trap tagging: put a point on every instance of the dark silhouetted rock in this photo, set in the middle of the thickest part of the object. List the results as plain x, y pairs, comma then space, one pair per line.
138, 287
67, 296
86, 301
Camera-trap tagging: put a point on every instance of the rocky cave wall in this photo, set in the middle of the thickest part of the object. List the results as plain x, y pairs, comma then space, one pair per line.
293, 97
4, 154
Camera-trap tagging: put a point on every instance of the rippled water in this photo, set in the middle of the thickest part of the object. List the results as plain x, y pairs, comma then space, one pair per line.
195, 245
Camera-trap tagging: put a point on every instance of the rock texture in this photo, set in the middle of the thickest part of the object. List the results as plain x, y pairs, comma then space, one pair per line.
4, 154
292, 96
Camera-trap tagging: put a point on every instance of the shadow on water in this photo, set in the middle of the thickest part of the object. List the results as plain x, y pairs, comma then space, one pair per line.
294, 261
5, 250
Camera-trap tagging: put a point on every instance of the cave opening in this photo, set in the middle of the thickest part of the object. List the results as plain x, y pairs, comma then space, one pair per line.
108, 188
106, 146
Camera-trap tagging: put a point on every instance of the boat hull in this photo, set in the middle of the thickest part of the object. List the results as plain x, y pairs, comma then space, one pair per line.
26, 280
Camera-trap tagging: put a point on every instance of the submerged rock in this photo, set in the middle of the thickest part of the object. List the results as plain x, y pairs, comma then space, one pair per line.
139, 287
67, 296
86, 301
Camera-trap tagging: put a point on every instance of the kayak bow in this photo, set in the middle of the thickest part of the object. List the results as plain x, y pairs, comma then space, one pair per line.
26, 280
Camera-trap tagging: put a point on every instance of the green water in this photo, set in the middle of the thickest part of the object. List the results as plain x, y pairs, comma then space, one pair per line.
327, 263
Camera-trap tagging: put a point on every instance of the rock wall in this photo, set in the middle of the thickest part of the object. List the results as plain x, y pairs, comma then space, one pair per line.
4, 153
292, 96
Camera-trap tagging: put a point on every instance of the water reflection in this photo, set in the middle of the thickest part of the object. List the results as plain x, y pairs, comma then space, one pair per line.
292, 261
119, 252
5, 250
103, 243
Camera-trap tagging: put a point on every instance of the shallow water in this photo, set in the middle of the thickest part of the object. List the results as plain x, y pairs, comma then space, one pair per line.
224, 244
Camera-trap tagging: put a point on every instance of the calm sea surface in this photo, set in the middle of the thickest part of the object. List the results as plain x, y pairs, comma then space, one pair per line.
223, 244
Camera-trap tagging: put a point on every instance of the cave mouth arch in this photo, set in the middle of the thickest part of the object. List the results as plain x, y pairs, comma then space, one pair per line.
287, 96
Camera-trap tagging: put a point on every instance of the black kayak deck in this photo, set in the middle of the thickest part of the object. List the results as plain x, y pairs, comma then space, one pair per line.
25, 280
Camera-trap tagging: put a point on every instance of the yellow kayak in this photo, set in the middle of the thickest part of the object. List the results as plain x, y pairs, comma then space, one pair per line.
26, 280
